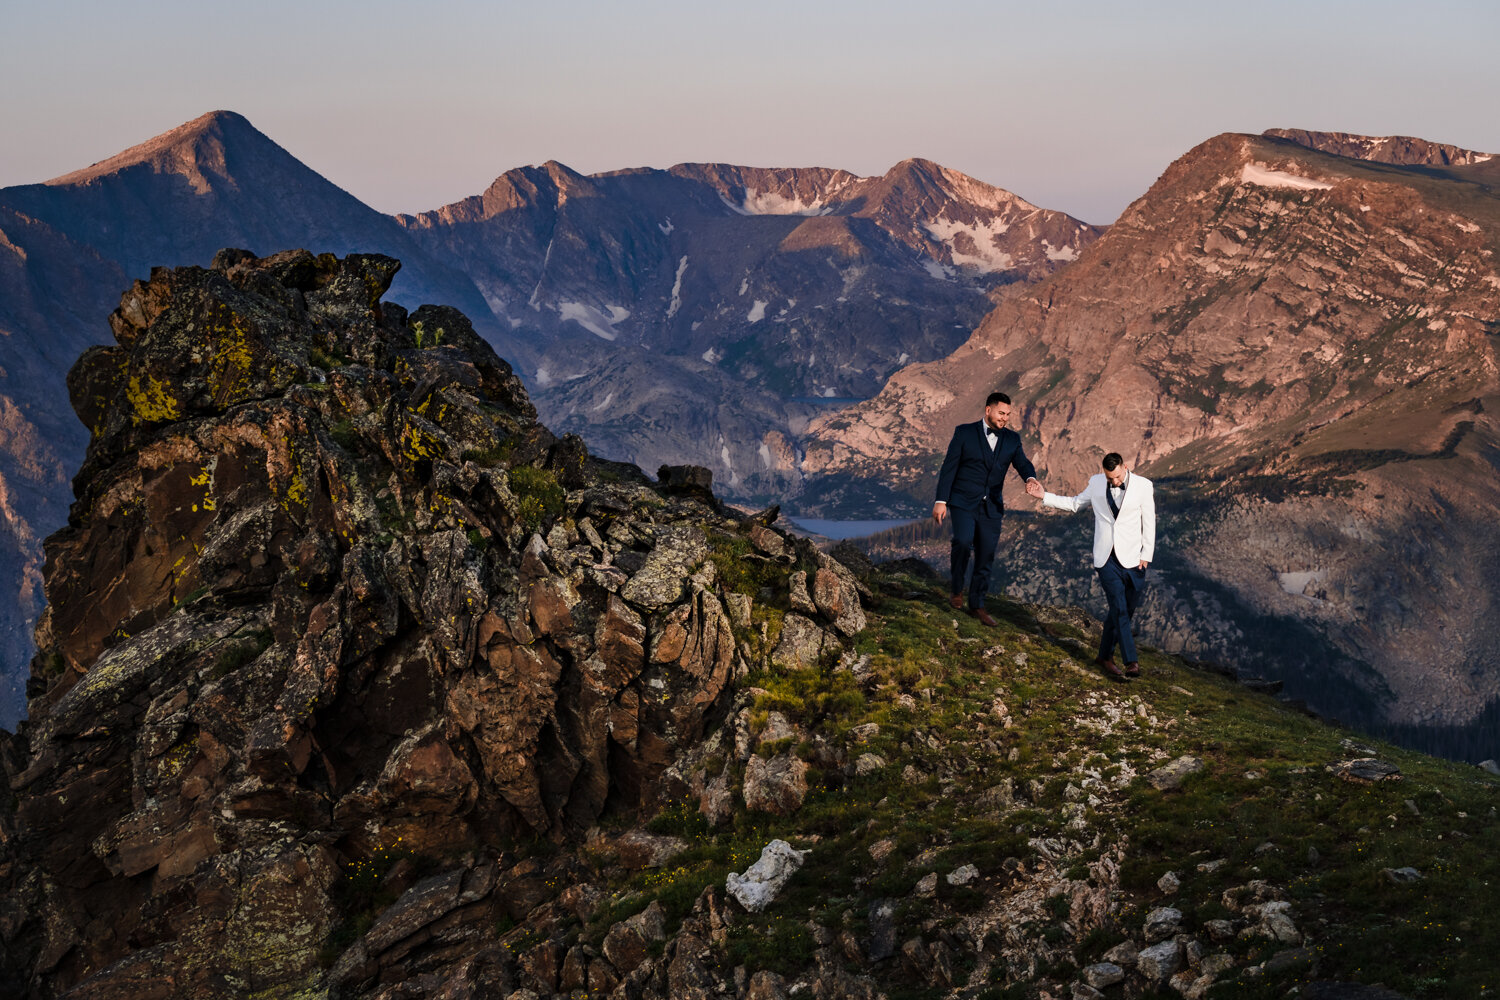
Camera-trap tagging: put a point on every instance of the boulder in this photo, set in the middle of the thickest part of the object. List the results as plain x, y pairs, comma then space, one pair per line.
1170, 777
1158, 962
776, 786
763, 881
1366, 770
628, 942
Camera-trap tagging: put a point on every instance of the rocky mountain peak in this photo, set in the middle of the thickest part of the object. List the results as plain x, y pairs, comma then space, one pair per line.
1401, 150
200, 150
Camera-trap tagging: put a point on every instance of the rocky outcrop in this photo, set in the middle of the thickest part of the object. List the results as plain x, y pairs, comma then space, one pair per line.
331, 600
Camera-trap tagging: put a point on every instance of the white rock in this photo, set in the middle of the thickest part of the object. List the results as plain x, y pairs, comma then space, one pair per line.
1169, 883
764, 880
868, 763
963, 875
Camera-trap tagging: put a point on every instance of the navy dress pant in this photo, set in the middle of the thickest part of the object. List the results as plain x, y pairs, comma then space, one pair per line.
977, 534
1122, 589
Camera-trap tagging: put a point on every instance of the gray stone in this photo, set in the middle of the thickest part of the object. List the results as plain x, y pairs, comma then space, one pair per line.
1367, 770
1402, 876
1275, 922
882, 920
1170, 776
868, 763
1162, 923
802, 643
801, 600
1158, 962
1491, 766
927, 885
1103, 974
739, 606
1219, 930
1216, 964
998, 798
678, 549
1123, 954
1169, 883
776, 786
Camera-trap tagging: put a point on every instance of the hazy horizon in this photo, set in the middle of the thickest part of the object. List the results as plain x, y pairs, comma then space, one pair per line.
1077, 109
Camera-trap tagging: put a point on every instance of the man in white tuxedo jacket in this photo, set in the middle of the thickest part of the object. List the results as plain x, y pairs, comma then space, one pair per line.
1124, 543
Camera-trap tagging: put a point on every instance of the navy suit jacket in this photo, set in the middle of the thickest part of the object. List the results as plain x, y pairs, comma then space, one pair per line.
972, 474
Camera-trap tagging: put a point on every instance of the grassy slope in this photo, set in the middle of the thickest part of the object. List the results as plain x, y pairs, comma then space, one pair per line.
1075, 750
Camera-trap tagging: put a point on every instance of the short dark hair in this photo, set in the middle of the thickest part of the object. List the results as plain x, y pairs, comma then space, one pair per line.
1112, 461
997, 397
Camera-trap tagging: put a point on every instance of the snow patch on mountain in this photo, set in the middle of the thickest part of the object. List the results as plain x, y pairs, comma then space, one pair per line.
676, 302
757, 311
775, 203
592, 319
1059, 253
959, 237
1264, 176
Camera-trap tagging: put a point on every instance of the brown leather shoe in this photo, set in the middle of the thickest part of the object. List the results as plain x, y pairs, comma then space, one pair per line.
1132, 669
956, 601
1110, 670
983, 616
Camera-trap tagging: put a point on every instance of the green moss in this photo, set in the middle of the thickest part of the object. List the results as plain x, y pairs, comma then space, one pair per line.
539, 493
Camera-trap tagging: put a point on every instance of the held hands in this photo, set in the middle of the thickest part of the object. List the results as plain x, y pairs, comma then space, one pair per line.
1034, 489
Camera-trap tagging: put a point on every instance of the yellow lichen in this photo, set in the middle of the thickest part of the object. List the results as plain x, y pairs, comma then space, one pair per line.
229, 370
150, 401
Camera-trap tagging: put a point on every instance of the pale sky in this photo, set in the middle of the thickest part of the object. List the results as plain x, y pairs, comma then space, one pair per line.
1076, 106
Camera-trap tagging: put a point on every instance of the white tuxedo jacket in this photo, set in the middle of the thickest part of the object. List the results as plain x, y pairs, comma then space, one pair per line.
1132, 535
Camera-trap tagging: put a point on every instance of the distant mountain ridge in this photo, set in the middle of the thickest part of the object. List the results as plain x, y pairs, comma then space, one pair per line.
699, 314
1400, 150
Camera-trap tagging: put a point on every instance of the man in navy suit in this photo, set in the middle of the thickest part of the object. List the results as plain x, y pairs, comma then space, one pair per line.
968, 492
